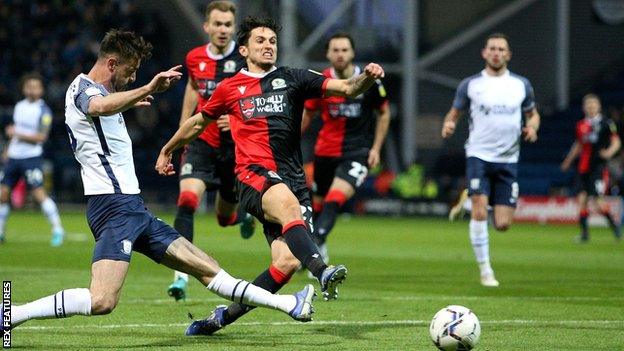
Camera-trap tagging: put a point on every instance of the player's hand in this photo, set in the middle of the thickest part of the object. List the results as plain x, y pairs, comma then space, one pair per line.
373, 158
164, 165
374, 70
223, 123
448, 129
9, 130
163, 80
147, 101
530, 134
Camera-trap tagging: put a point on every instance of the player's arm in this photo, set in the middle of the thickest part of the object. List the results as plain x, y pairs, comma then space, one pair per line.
42, 134
575, 150
188, 131
121, 101
450, 122
381, 131
614, 144
189, 102
355, 86
306, 120
531, 125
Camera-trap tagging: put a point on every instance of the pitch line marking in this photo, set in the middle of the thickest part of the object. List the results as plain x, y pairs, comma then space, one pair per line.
407, 322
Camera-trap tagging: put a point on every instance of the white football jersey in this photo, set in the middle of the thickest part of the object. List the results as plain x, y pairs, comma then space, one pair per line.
101, 144
496, 105
29, 118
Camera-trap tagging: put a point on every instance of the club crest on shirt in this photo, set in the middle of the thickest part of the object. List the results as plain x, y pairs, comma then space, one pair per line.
278, 83
229, 66
248, 107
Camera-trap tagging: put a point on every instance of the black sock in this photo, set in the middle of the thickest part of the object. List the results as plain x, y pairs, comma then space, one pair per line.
326, 220
302, 246
183, 222
614, 227
236, 310
584, 230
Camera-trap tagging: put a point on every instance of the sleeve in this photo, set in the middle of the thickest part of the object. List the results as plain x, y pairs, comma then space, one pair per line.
84, 95
312, 104
462, 100
311, 84
529, 101
45, 122
188, 66
217, 104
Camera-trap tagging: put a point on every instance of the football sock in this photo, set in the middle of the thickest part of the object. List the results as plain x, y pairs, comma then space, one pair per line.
271, 280
227, 220
302, 246
583, 222
479, 238
51, 212
64, 303
4, 214
244, 292
614, 227
183, 222
326, 220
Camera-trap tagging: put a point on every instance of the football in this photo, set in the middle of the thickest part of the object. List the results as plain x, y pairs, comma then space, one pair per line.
455, 328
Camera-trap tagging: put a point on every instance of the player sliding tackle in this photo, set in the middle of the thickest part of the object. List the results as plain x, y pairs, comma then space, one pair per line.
265, 105
115, 211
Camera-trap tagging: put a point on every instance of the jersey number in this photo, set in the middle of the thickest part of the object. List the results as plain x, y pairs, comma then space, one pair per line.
359, 172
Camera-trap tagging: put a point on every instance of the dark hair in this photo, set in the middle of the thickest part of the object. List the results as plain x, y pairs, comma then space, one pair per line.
127, 45
250, 23
30, 76
340, 35
221, 5
498, 36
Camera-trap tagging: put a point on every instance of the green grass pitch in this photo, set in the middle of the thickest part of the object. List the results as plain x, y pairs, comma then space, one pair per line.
554, 294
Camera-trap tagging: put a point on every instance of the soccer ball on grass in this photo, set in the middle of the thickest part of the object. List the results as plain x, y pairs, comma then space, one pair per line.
455, 328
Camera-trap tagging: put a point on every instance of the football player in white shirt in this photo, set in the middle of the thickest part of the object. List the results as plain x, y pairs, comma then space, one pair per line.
116, 214
496, 100
32, 120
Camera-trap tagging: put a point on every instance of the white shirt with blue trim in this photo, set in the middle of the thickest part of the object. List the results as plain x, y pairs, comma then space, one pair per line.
29, 118
101, 144
496, 105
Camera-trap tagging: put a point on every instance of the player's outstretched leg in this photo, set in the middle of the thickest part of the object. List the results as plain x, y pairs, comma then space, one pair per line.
107, 277
188, 201
302, 311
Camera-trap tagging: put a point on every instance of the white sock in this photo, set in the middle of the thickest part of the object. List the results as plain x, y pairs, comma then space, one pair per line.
244, 292
4, 214
179, 275
64, 303
51, 212
479, 239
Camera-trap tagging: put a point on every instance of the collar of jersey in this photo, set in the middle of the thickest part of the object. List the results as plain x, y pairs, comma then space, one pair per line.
504, 75
257, 75
356, 72
227, 53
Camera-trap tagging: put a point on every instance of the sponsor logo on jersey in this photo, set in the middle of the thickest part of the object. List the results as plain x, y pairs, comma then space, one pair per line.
498, 109
273, 104
345, 109
278, 83
274, 175
229, 66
